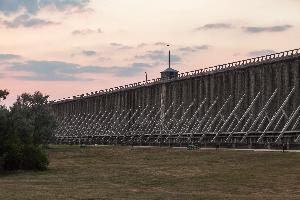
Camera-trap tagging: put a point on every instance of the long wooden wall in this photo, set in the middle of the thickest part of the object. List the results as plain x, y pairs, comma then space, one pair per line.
282, 74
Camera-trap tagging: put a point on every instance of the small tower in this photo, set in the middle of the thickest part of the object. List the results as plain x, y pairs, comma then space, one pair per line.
169, 72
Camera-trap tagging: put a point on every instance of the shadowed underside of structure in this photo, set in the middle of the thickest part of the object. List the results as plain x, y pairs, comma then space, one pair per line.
253, 104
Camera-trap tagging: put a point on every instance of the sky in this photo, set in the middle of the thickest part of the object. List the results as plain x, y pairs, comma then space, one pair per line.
70, 47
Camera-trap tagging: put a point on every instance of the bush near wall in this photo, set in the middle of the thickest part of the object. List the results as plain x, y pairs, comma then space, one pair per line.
24, 129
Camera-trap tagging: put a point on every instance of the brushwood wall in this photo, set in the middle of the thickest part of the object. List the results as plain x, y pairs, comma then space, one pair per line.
281, 74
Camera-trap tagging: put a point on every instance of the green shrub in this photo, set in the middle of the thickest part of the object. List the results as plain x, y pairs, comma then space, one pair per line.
34, 158
12, 157
28, 124
1, 163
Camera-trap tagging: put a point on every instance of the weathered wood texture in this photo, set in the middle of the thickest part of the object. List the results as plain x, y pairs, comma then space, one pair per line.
254, 102
282, 75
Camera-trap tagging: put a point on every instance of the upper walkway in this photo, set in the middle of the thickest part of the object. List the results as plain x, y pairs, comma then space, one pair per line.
276, 57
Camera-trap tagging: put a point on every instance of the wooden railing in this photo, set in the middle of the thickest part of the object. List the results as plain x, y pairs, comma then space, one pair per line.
200, 72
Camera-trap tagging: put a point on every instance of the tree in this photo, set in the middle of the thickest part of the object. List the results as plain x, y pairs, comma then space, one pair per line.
3, 123
28, 124
3, 94
4, 129
34, 112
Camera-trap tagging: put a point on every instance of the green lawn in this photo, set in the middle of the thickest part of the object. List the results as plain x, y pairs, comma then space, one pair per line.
157, 173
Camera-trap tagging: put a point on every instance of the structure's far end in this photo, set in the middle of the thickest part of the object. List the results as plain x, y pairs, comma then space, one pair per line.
253, 103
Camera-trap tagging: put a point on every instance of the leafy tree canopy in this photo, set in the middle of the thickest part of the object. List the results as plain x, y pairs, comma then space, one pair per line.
23, 129
3, 94
33, 115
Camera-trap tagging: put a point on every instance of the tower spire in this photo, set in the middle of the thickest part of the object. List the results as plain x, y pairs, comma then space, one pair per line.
169, 73
169, 59
169, 56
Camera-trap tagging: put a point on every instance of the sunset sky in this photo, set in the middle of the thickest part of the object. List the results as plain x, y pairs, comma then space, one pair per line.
69, 47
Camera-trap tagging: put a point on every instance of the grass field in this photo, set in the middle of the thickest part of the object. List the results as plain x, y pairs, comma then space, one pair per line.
157, 173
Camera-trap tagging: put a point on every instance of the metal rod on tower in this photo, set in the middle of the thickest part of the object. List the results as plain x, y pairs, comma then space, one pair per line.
169, 59
146, 77
168, 45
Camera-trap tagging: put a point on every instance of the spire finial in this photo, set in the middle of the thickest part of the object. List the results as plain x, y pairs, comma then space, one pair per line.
146, 76
169, 56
